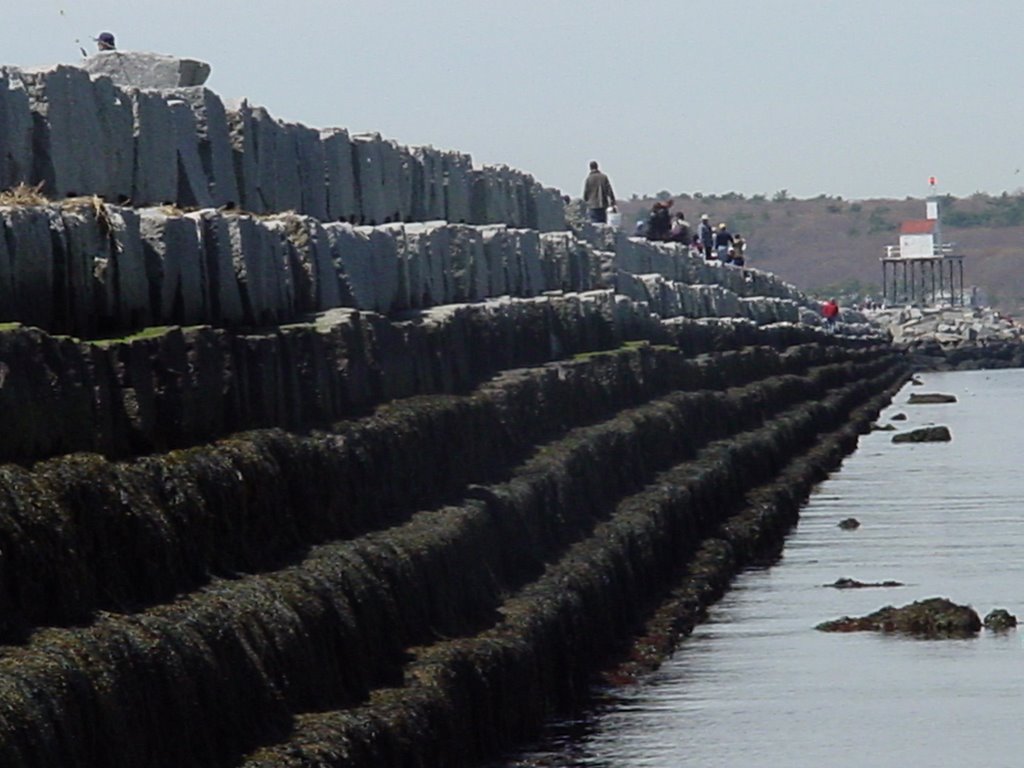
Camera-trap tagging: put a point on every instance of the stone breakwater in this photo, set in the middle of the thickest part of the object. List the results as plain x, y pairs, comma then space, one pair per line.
282, 490
413, 584
82, 135
954, 338
84, 268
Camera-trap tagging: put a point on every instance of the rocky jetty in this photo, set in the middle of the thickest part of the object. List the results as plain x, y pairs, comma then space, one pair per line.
936, 617
954, 338
947, 325
322, 450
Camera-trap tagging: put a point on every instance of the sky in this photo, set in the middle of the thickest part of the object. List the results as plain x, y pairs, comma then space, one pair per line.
852, 98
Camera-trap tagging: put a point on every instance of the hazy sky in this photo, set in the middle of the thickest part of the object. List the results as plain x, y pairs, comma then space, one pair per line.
858, 98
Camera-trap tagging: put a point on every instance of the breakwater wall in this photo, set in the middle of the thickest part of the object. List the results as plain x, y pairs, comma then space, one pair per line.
278, 490
427, 582
82, 135
88, 269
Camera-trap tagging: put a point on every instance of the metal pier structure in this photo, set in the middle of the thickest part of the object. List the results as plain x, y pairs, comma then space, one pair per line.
922, 269
924, 280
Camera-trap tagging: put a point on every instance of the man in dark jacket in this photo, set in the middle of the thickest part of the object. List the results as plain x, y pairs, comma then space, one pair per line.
723, 242
659, 223
598, 195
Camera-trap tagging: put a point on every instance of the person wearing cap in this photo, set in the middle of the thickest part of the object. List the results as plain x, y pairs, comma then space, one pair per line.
707, 236
598, 194
723, 242
105, 42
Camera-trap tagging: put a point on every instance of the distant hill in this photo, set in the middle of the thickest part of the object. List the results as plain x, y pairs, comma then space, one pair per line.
830, 245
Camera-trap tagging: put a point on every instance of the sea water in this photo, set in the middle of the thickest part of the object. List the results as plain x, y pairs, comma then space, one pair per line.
757, 685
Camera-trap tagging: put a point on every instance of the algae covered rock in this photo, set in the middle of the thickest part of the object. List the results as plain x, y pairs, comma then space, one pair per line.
938, 434
1000, 619
930, 398
936, 617
848, 583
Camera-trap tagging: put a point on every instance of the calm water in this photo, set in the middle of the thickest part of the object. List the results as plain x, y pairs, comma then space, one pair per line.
757, 686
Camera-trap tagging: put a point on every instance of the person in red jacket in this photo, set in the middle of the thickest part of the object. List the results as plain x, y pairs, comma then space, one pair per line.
830, 311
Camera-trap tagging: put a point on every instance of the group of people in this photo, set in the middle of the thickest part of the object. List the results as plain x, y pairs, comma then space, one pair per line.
708, 241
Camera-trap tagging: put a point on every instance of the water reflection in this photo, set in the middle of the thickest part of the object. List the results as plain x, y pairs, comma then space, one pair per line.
757, 686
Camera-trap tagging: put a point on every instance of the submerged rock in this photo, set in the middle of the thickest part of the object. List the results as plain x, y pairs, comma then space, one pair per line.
936, 617
924, 435
849, 524
930, 398
847, 583
1000, 619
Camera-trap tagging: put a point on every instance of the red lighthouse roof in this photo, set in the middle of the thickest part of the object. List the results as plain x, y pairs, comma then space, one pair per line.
918, 227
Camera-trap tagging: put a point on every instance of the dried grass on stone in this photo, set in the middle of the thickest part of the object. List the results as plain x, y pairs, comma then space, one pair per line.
24, 194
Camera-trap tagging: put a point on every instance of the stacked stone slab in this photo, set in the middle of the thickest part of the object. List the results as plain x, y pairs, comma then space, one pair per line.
87, 268
82, 136
143, 128
430, 184
173, 255
15, 131
426, 256
947, 325
343, 201
214, 144
147, 70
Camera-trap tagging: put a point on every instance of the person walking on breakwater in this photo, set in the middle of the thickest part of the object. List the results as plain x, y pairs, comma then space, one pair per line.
707, 235
830, 311
723, 242
598, 194
739, 249
105, 42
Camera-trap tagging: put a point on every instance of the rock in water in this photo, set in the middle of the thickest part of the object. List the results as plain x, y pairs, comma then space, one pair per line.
936, 617
848, 583
849, 524
930, 398
924, 435
1000, 619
